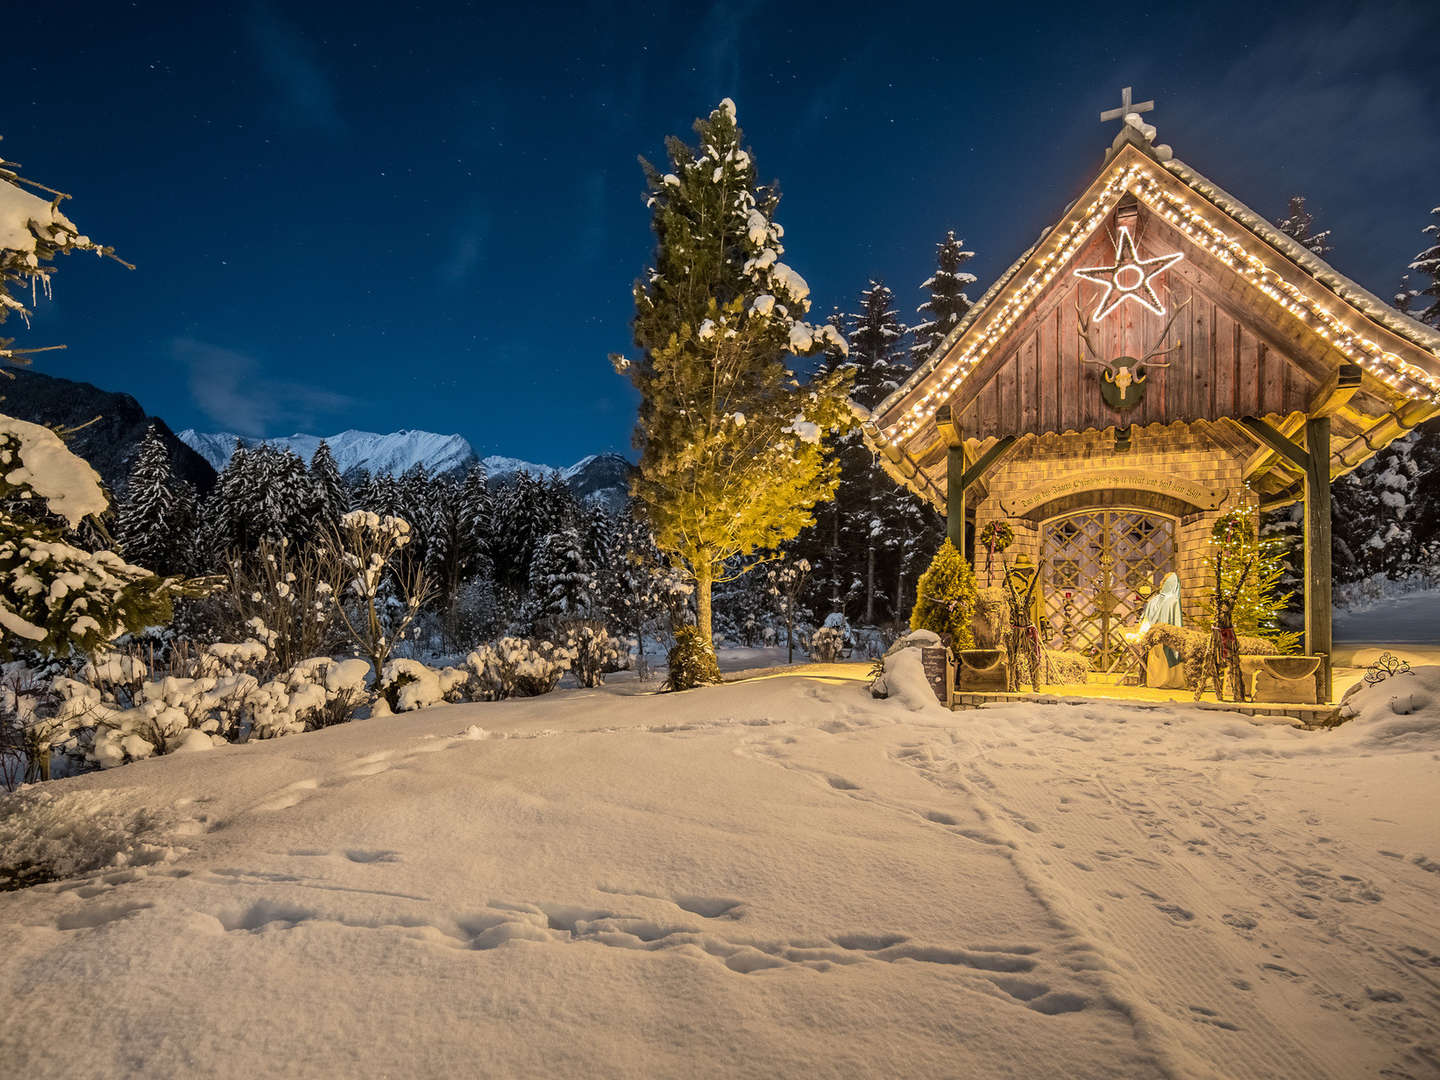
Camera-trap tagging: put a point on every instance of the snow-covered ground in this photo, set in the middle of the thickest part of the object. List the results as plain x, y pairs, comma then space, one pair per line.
775, 877
1410, 617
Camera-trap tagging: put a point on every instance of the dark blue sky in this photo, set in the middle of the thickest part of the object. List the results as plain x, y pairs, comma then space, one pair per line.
429, 216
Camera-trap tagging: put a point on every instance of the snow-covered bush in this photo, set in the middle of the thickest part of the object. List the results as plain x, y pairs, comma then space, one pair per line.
596, 652
408, 684
117, 711
692, 661
869, 641
515, 667
827, 644
49, 835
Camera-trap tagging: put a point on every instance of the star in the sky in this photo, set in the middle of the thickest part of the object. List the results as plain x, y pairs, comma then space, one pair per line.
1129, 278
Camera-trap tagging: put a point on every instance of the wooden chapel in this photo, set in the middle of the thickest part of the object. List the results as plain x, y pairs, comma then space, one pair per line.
1161, 355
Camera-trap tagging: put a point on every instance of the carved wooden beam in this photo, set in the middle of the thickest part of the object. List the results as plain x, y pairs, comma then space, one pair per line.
1276, 441
1264, 457
946, 424
986, 460
1335, 392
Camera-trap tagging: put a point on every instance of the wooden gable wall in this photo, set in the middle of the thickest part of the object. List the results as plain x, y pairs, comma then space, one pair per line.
1228, 362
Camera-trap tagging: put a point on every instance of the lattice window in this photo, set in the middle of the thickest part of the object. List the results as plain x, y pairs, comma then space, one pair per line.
1098, 568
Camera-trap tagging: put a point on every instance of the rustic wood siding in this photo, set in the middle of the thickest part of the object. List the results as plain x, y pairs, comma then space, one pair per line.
1035, 380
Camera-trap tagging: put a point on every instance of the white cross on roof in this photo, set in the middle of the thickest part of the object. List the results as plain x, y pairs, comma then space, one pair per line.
1126, 108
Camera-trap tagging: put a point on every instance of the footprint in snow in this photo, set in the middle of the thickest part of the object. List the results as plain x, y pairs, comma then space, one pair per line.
1176, 913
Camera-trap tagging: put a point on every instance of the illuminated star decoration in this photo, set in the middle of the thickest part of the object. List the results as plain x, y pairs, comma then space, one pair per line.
1129, 278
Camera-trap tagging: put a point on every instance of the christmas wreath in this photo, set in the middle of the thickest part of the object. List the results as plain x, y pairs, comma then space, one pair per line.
996, 536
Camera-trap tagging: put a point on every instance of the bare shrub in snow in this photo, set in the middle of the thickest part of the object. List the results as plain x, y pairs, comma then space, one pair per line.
376, 595
284, 589
47, 835
826, 644
26, 727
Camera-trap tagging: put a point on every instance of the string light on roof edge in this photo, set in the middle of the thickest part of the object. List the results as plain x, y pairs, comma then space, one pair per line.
1393, 370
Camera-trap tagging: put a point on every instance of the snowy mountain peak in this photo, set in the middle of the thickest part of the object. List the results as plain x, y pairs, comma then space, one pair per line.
374, 452
602, 478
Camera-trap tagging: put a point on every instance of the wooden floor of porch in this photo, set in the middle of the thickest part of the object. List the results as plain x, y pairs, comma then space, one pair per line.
1280, 712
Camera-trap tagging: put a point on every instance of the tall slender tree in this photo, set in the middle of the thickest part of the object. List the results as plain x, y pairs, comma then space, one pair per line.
333, 498
733, 447
948, 303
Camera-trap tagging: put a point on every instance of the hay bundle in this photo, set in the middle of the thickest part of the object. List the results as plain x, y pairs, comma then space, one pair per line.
1191, 643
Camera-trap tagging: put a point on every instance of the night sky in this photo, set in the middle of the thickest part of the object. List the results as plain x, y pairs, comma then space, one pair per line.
429, 216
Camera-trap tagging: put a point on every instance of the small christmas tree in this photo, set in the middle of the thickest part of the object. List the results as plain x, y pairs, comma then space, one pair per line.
945, 598
1261, 598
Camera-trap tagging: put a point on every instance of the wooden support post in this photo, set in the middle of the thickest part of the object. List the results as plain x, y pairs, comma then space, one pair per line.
1317, 548
955, 497
954, 478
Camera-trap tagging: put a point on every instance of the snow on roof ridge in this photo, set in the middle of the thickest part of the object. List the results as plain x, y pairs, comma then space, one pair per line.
1358, 297
1354, 294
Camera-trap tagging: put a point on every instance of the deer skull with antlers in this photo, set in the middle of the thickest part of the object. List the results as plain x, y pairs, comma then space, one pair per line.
1122, 380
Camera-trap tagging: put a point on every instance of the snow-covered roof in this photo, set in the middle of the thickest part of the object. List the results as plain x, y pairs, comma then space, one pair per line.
1358, 299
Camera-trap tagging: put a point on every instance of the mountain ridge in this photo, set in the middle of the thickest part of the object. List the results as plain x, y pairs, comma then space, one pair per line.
108, 425
602, 478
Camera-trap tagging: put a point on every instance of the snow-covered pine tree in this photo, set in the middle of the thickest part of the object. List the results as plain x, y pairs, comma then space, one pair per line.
733, 447
288, 501
948, 302
418, 496
1283, 531
224, 514
1354, 513
526, 510
156, 521
476, 511
264, 492
1405, 296
562, 583
1428, 263
1390, 545
1300, 226
877, 356
333, 498
1425, 523
33, 231
877, 352
379, 494
600, 532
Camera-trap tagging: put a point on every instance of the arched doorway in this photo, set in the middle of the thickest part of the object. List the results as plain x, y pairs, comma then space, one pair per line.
1097, 569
